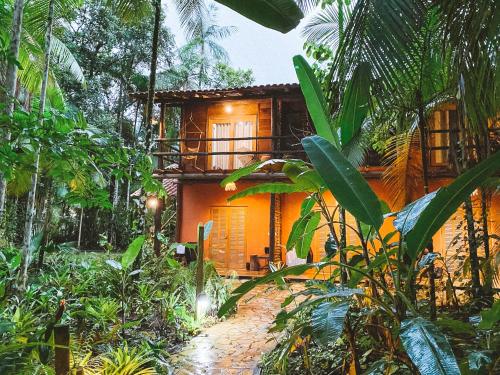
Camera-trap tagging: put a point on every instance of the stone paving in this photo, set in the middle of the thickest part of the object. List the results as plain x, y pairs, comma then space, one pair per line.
234, 346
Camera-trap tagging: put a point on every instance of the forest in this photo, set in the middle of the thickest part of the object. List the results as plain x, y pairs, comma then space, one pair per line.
92, 276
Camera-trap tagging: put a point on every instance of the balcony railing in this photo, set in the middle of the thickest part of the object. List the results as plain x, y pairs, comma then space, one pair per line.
193, 154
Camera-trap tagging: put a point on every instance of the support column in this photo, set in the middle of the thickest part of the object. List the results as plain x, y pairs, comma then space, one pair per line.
161, 134
178, 212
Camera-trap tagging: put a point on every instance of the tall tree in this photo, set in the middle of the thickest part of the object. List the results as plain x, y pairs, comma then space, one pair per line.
30, 209
10, 84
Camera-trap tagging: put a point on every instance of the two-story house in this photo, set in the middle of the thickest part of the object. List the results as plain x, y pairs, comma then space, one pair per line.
222, 130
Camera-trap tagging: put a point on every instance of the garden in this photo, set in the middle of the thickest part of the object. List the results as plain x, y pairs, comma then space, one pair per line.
401, 101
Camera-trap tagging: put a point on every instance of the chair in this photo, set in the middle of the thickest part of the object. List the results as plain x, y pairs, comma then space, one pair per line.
198, 133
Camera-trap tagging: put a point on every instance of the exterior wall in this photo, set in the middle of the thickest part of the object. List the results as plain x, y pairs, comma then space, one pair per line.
196, 117
198, 198
290, 209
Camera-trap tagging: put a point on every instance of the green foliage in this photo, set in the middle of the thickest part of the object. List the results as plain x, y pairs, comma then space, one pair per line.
316, 103
327, 321
427, 347
129, 256
344, 181
446, 202
281, 15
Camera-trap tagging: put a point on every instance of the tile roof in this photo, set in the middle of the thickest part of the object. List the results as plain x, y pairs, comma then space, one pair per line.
178, 96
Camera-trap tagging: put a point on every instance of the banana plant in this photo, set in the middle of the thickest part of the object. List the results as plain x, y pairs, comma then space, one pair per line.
425, 345
127, 260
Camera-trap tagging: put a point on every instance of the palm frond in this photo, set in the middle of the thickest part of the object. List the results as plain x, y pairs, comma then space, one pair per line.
404, 167
66, 60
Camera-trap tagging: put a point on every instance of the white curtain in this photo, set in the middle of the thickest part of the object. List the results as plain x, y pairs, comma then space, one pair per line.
220, 131
243, 129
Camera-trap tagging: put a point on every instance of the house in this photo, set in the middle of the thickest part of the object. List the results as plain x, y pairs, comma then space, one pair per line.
222, 130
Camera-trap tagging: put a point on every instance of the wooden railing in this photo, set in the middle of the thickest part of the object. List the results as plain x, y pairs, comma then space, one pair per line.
178, 151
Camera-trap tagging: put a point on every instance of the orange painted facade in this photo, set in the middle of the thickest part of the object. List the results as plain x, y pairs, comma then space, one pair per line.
222, 130
200, 197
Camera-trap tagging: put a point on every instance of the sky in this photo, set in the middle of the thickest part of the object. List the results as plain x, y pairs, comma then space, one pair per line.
267, 52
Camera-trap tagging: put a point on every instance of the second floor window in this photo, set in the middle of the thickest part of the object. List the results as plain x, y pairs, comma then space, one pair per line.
231, 154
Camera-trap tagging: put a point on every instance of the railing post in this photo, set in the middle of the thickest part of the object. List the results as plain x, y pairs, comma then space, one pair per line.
61, 341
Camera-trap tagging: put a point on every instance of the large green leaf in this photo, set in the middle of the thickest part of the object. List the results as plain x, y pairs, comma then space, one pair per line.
303, 244
252, 168
298, 228
327, 321
315, 101
344, 181
427, 347
354, 105
408, 216
132, 251
281, 15
271, 187
446, 202
490, 317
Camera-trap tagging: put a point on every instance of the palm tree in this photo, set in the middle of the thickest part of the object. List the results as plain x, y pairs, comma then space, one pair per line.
204, 35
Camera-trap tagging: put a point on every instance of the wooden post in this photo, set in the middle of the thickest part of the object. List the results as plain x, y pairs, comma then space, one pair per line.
199, 267
157, 226
161, 134
61, 341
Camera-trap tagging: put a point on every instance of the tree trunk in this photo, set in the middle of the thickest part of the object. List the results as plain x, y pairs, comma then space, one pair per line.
152, 76
343, 244
10, 85
30, 210
471, 238
46, 217
80, 228
422, 126
488, 272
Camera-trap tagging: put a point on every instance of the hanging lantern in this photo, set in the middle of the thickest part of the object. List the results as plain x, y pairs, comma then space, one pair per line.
231, 186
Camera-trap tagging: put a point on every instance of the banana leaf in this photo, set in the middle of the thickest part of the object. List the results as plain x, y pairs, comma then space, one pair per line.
354, 105
315, 100
327, 321
303, 244
271, 187
280, 15
345, 182
427, 347
132, 251
446, 202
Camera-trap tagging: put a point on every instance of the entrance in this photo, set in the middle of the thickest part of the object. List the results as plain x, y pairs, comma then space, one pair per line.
228, 237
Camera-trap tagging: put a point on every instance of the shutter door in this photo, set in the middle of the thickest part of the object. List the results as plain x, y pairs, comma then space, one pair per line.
218, 236
237, 240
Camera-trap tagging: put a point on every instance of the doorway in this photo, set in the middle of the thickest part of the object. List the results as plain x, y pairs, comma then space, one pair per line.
228, 238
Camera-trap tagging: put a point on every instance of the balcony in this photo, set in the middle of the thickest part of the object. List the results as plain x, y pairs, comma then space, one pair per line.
221, 155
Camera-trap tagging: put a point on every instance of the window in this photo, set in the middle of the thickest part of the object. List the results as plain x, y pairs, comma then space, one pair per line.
226, 128
441, 124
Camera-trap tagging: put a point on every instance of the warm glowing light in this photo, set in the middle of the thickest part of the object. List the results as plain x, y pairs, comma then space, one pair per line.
228, 108
202, 304
231, 186
152, 202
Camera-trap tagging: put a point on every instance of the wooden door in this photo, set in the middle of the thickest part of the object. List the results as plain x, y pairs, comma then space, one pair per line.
228, 237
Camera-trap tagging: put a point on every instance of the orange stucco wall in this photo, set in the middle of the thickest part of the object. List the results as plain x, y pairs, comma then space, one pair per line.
198, 198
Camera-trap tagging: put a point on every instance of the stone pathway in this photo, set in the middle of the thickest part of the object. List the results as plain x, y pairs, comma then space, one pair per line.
234, 346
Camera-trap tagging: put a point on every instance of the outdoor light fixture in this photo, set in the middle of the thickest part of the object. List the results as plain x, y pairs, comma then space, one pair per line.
231, 186
202, 304
152, 202
228, 108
